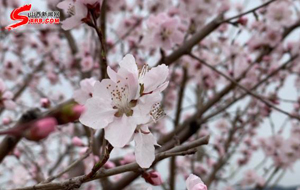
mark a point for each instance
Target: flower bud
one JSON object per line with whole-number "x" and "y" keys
{"x": 152, "y": 177}
{"x": 109, "y": 165}
{"x": 77, "y": 141}
{"x": 45, "y": 103}
{"x": 68, "y": 113}
{"x": 41, "y": 129}
{"x": 6, "y": 121}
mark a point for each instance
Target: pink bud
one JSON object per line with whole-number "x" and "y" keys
{"x": 243, "y": 21}
{"x": 153, "y": 178}
{"x": 109, "y": 165}
{"x": 45, "y": 103}
{"x": 41, "y": 129}
{"x": 78, "y": 110}
{"x": 77, "y": 141}
{"x": 6, "y": 121}
{"x": 17, "y": 153}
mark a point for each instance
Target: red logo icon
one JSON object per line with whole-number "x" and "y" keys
{"x": 15, "y": 15}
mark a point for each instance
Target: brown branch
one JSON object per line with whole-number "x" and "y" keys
{"x": 245, "y": 89}
{"x": 250, "y": 11}
{"x": 76, "y": 182}
{"x": 195, "y": 39}
{"x": 176, "y": 122}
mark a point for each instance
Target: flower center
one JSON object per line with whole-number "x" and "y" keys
{"x": 165, "y": 34}
{"x": 119, "y": 96}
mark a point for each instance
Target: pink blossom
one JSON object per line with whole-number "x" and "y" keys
{"x": 76, "y": 141}
{"x": 6, "y": 97}
{"x": 87, "y": 63}
{"x": 6, "y": 121}
{"x": 193, "y": 182}
{"x": 85, "y": 92}
{"x": 77, "y": 9}
{"x": 251, "y": 178}
{"x": 163, "y": 31}
{"x": 45, "y": 102}
{"x": 109, "y": 165}
{"x": 153, "y": 177}
{"x": 125, "y": 102}
{"x": 279, "y": 14}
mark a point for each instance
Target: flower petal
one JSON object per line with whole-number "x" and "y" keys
{"x": 98, "y": 114}
{"x": 101, "y": 91}
{"x": 70, "y": 23}
{"x": 128, "y": 63}
{"x": 155, "y": 77}
{"x": 120, "y": 131}
{"x": 192, "y": 181}
{"x": 80, "y": 96}
{"x": 10, "y": 105}
{"x": 145, "y": 103}
{"x": 64, "y": 4}
{"x": 144, "y": 149}
{"x": 112, "y": 74}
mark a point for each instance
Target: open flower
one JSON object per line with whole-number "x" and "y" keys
{"x": 164, "y": 31}
{"x": 76, "y": 9}
{"x": 85, "y": 91}
{"x": 193, "y": 182}
{"x": 123, "y": 104}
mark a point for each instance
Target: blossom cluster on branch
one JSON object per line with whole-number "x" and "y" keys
{"x": 100, "y": 99}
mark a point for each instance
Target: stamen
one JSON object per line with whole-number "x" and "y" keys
{"x": 157, "y": 112}
{"x": 143, "y": 71}
{"x": 71, "y": 10}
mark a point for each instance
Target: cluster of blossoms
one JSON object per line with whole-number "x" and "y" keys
{"x": 126, "y": 105}
{"x": 284, "y": 152}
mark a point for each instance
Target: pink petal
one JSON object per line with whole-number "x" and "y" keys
{"x": 192, "y": 181}
{"x": 81, "y": 96}
{"x": 101, "y": 91}
{"x": 70, "y": 23}
{"x": 98, "y": 114}
{"x": 64, "y": 4}
{"x": 144, "y": 105}
{"x": 155, "y": 77}
{"x": 144, "y": 149}
{"x": 120, "y": 131}
{"x": 10, "y": 105}
{"x": 8, "y": 95}
{"x": 128, "y": 63}
{"x": 112, "y": 74}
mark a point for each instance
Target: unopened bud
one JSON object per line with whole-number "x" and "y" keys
{"x": 153, "y": 178}
{"x": 77, "y": 141}
{"x": 45, "y": 103}
{"x": 68, "y": 113}
{"x": 6, "y": 121}
{"x": 109, "y": 165}
{"x": 243, "y": 21}
{"x": 41, "y": 129}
